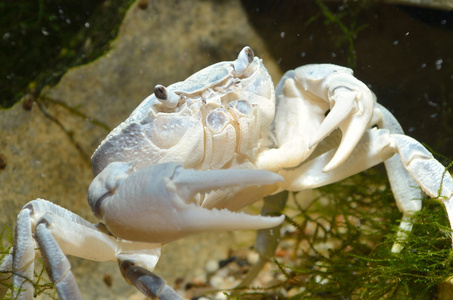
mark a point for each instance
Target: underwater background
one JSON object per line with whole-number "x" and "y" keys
{"x": 72, "y": 72}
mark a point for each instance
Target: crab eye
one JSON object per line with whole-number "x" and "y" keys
{"x": 168, "y": 98}
{"x": 244, "y": 59}
{"x": 247, "y": 53}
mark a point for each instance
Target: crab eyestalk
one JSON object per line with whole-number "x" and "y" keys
{"x": 168, "y": 98}
{"x": 244, "y": 59}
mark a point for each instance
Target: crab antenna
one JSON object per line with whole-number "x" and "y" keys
{"x": 168, "y": 98}
{"x": 244, "y": 59}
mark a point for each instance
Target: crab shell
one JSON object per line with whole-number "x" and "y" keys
{"x": 215, "y": 120}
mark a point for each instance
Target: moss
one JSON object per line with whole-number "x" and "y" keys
{"x": 42, "y": 39}
{"x": 360, "y": 223}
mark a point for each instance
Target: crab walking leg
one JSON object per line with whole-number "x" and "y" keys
{"x": 373, "y": 148}
{"x": 429, "y": 174}
{"x": 408, "y": 198}
{"x": 147, "y": 282}
{"x": 376, "y": 146}
{"x": 6, "y": 276}
{"x": 23, "y": 257}
{"x": 267, "y": 240}
{"x": 25, "y": 245}
{"x": 57, "y": 264}
{"x": 60, "y": 232}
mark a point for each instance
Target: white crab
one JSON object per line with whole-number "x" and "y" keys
{"x": 193, "y": 153}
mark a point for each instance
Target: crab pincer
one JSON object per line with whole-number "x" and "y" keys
{"x": 159, "y": 204}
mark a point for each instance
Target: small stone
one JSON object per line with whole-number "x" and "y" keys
{"x": 200, "y": 279}
{"x": 220, "y": 296}
{"x": 318, "y": 279}
{"x": 211, "y": 266}
{"x": 223, "y": 283}
{"x": 294, "y": 292}
{"x": 216, "y": 281}
{"x": 281, "y": 277}
{"x": 252, "y": 257}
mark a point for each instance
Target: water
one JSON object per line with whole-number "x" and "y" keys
{"x": 404, "y": 54}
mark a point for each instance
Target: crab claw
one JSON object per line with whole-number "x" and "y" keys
{"x": 351, "y": 106}
{"x": 351, "y": 117}
{"x": 340, "y": 111}
{"x": 157, "y": 204}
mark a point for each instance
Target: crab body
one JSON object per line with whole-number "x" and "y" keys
{"x": 193, "y": 153}
{"x": 211, "y": 120}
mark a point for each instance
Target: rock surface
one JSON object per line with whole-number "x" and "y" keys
{"x": 48, "y": 148}
{"x": 437, "y": 4}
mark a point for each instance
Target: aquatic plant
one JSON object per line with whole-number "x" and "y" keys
{"x": 341, "y": 246}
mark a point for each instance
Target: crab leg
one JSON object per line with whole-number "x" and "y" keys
{"x": 59, "y": 232}
{"x": 431, "y": 176}
{"x": 6, "y": 276}
{"x": 408, "y": 198}
{"x": 36, "y": 215}
{"x": 373, "y": 149}
{"x": 147, "y": 282}
{"x": 23, "y": 257}
{"x": 267, "y": 240}
{"x": 376, "y": 146}
{"x": 57, "y": 264}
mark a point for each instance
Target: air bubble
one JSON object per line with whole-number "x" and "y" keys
{"x": 44, "y": 31}
{"x": 438, "y": 63}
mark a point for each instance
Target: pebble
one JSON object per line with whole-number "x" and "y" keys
{"x": 211, "y": 266}
{"x": 220, "y": 296}
{"x": 252, "y": 257}
{"x": 215, "y": 281}
{"x": 294, "y": 291}
{"x": 223, "y": 283}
